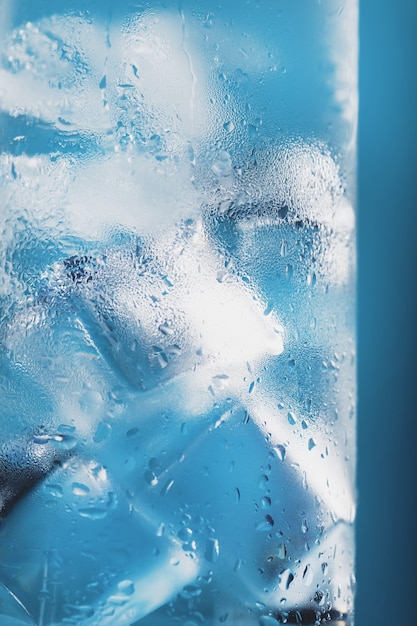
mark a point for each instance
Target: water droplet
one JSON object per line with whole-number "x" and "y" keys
{"x": 228, "y": 126}
{"x": 91, "y": 401}
{"x": 221, "y": 419}
{"x": 267, "y": 620}
{"x": 280, "y": 451}
{"x": 237, "y": 565}
{"x": 103, "y": 82}
{"x": 165, "y": 329}
{"x": 283, "y": 211}
{"x": 212, "y": 550}
{"x": 266, "y": 524}
{"x": 93, "y": 513}
{"x": 117, "y": 600}
{"x": 282, "y": 552}
{"x": 283, "y": 249}
{"x": 263, "y": 482}
{"x": 308, "y": 575}
{"x": 266, "y": 502}
{"x": 159, "y": 357}
{"x": 285, "y": 579}
{"x": 324, "y": 568}
{"x": 190, "y": 591}
{"x": 221, "y": 381}
{"x": 311, "y": 443}
{"x": 319, "y": 597}
{"x": 222, "y": 166}
{"x": 304, "y": 424}
{"x": 66, "y": 428}
{"x": 292, "y": 419}
{"x": 167, "y": 487}
{"x": 304, "y": 527}
{"x": 153, "y": 463}
{"x": 126, "y": 587}
{"x": 64, "y": 442}
{"x": 151, "y": 478}
{"x": 78, "y": 489}
{"x": 185, "y": 534}
{"x": 161, "y": 529}
{"x": 102, "y": 432}
{"x": 237, "y": 495}
{"x": 311, "y": 279}
{"x": 41, "y": 439}
{"x": 54, "y": 490}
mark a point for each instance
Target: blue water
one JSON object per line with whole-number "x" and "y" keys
{"x": 177, "y": 337}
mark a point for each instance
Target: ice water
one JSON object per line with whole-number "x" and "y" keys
{"x": 177, "y": 313}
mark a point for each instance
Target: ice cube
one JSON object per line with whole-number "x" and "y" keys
{"x": 52, "y": 69}
{"x": 258, "y": 526}
{"x": 288, "y": 201}
{"x": 90, "y": 555}
{"x": 156, "y": 310}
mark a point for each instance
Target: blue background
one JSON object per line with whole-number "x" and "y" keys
{"x": 387, "y": 552}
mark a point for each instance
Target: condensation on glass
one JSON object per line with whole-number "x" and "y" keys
{"x": 177, "y": 338}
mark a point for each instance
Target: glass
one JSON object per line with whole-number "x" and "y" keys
{"x": 177, "y": 312}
